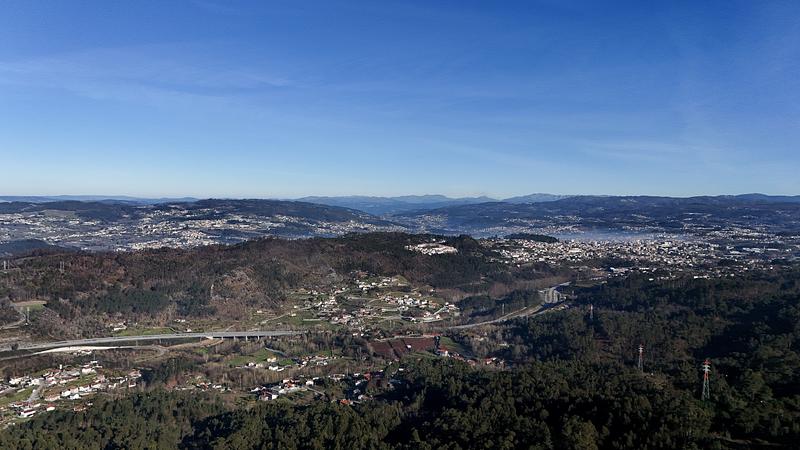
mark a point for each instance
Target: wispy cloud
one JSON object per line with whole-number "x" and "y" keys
{"x": 694, "y": 156}
{"x": 137, "y": 73}
{"x": 489, "y": 155}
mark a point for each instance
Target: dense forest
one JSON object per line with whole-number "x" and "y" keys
{"x": 572, "y": 382}
{"x": 748, "y": 326}
{"x": 435, "y": 404}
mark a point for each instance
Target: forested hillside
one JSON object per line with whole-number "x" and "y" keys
{"x": 438, "y": 404}
{"x": 748, "y": 326}
{"x": 572, "y": 383}
{"x": 258, "y": 273}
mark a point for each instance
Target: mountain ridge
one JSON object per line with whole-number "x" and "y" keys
{"x": 640, "y": 213}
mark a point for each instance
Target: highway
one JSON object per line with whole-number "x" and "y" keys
{"x": 551, "y": 298}
{"x": 548, "y": 294}
{"x": 151, "y": 337}
{"x": 530, "y": 311}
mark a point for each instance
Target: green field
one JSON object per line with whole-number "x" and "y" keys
{"x": 260, "y": 356}
{"x": 451, "y": 345}
{"x": 137, "y": 331}
{"x": 16, "y": 396}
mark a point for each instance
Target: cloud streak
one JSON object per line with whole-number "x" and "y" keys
{"x": 138, "y": 74}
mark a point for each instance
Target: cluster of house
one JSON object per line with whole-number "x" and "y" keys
{"x": 406, "y": 301}
{"x": 494, "y": 361}
{"x": 344, "y": 304}
{"x": 433, "y": 316}
{"x": 667, "y": 252}
{"x": 348, "y": 319}
{"x": 205, "y": 386}
{"x": 272, "y": 364}
{"x": 61, "y": 384}
{"x": 170, "y": 230}
{"x": 286, "y": 386}
{"x": 355, "y": 386}
{"x": 644, "y": 254}
{"x": 432, "y": 248}
{"x": 316, "y": 360}
{"x": 491, "y": 361}
{"x": 648, "y": 255}
{"x": 118, "y": 326}
{"x": 385, "y": 282}
{"x": 327, "y": 308}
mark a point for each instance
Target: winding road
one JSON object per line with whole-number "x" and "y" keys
{"x": 530, "y": 311}
{"x": 551, "y": 299}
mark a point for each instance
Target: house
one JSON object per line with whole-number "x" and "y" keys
{"x": 268, "y": 396}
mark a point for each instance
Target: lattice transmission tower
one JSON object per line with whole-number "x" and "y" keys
{"x": 706, "y": 394}
{"x": 640, "y": 364}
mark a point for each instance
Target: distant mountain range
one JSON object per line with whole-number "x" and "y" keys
{"x": 536, "y": 198}
{"x": 393, "y": 205}
{"x": 115, "y": 225}
{"x": 209, "y": 209}
{"x": 690, "y": 215}
{"x": 765, "y": 198}
{"x": 382, "y": 206}
{"x": 128, "y": 223}
{"x": 93, "y": 198}
{"x": 373, "y": 205}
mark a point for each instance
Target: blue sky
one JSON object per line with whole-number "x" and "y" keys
{"x": 291, "y": 98}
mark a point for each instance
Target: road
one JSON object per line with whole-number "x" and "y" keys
{"x": 152, "y": 337}
{"x": 20, "y": 307}
{"x": 37, "y": 392}
{"x": 528, "y": 311}
{"x": 550, "y": 295}
{"x": 285, "y": 314}
{"x": 15, "y": 324}
{"x": 20, "y": 321}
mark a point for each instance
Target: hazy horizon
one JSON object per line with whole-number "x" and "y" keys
{"x": 451, "y": 197}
